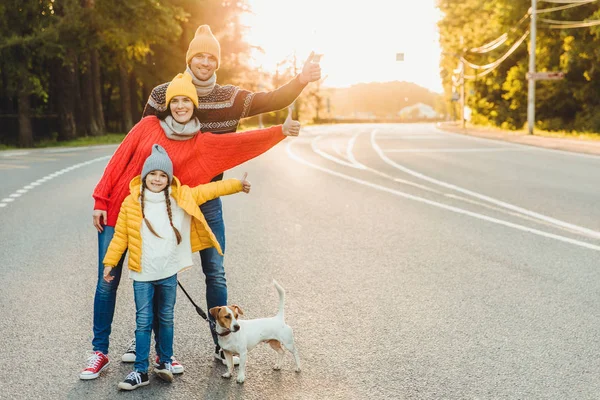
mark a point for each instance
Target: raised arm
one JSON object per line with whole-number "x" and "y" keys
{"x": 283, "y": 96}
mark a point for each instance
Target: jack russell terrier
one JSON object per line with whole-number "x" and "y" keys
{"x": 240, "y": 336}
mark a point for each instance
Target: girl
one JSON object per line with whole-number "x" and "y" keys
{"x": 161, "y": 225}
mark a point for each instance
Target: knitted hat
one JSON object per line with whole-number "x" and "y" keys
{"x": 158, "y": 161}
{"x": 182, "y": 85}
{"x": 204, "y": 42}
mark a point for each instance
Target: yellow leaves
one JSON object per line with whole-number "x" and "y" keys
{"x": 587, "y": 76}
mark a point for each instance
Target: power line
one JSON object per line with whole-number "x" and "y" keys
{"x": 565, "y": 1}
{"x": 492, "y": 66}
{"x": 559, "y": 8}
{"x": 494, "y": 44}
{"x": 571, "y": 24}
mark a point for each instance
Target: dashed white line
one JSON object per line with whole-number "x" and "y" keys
{"x": 18, "y": 193}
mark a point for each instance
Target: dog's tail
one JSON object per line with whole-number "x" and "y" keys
{"x": 281, "y": 292}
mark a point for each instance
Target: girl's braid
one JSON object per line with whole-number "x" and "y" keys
{"x": 143, "y": 215}
{"x": 168, "y": 200}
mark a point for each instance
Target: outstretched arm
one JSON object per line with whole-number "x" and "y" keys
{"x": 209, "y": 191}
{"x": 218, "y": 153}
{"x": 283, "y": 96}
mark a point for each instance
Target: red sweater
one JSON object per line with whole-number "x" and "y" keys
{"x": 195, "y": 161}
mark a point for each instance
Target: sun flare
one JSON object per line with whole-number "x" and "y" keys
{"x": 359, "y": 40}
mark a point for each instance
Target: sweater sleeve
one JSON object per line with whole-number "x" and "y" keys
{"x": 218, "y": 153}
{"x": 277, "y": 99}
{"x": 156, "y": 100}
{"x": 117, "y": 164}
{"x": 210, "y": 191}
{"x": 120, "y": 241}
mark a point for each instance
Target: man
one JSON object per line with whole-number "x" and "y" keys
{"x": 220, "y": 110}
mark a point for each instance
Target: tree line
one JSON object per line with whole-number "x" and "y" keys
{"x": 73, "y": 68}
{"x": 496, "y": 92}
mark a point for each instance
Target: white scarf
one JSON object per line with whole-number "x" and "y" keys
{"x": 203, "y": 88}
{"x": 176, "y": 131}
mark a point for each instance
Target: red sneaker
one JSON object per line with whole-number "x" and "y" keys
{"x": 96, "y": 363}
{"x": 177, "y": 368}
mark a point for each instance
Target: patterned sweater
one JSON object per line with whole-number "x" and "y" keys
{"x": 222, "y": 109}
{"x": 195, "y": 161}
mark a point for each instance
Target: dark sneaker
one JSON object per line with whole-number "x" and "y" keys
{"x": 164, "y": 372}
{"x": 95, "y": 364}
{"x": 134, "y": 380}
{"x": 129, "y": 355}
{"x": 219, "y": 355}
{"x": 177, "y": 367}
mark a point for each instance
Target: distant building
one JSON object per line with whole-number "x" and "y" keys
{"x": 418, "y": 111}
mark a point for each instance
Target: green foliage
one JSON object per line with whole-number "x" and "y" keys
{"x": 500, "y": 98}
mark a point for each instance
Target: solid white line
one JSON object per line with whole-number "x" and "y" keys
{"x": 443, "y": 206}
{"x": 471, "y": 150}
{"x": 323, "y": 154}
{"x": 530, "y": 147}
{"x": 554, "y": 221}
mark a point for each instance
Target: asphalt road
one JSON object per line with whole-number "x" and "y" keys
{"x": 418, "y": 264}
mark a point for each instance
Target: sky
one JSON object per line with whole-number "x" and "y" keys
{"x": 359, "y": 40}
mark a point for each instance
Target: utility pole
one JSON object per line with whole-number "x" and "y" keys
{"x": 462, "y": 94}
{"x": 531, "y": 91}
{"x": 462, "y": 84}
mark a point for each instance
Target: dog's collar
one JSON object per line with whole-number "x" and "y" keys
{"x": 227, "y": 332}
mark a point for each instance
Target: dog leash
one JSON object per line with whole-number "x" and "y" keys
{"x": 198, "y": 309}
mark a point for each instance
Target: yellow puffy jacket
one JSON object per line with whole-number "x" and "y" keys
{"x": 128, "y": 228}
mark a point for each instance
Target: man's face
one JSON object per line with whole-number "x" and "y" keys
{"x": 203, "y": 66}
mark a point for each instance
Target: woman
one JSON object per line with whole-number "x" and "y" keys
{"x": 197, "y": 157}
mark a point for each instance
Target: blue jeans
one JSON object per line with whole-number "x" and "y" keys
{"x": 164, "y": 293}
{"x": 212, "y": 263}
{"x": 106, "y": 294}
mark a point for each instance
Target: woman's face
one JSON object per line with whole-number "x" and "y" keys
{"x": 182, "y": 109}
{"x": 157, "y": 181}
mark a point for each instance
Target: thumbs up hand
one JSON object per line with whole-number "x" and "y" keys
{"x": 311, "y": 71}
{"x": 290, "y": 127}
{"x": 246, "y": 186}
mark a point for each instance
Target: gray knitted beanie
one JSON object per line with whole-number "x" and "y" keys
{"x": 158, "y": 161}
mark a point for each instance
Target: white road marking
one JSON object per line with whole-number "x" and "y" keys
{"x": 455, "y": 150}
{"x": 32, "y": 185}
{"x": 441, "y": 205}
{"x": 580, "y": 229}
{"x": 530, "y": 147}
{"x": 323, "y": 154}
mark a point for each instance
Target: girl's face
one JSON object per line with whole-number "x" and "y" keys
{"x": 182, "y": 109}
{"x": 157, "y": 181}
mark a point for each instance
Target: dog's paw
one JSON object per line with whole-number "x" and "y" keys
{"x": 226, "y": 375}
{"x": 277, "y": 367}
{"x": 241, "y": 379}
{"x": 297, "y": 369}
